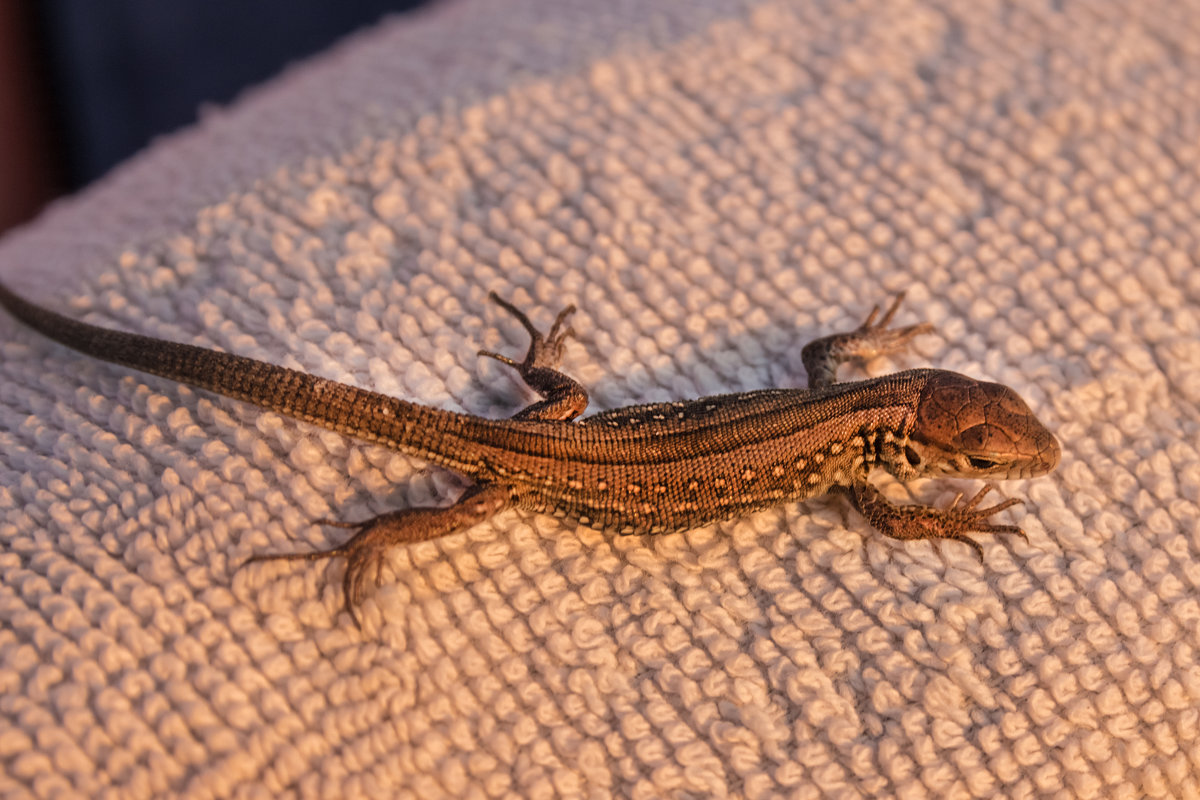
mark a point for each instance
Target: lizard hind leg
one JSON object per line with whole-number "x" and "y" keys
{"x": 366, "y": 550}
{"x": 564, "y": 398}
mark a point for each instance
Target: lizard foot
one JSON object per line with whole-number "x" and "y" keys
{"x": 926, "y": 522}
{"x": 545, "y": 352}
{"x": 822, "y": 356}
{"x": 563, "y": 398}
{"x": 366, "y": 551}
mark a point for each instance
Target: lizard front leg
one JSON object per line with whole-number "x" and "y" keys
{"x": 927, "y": 522}
{"x": 822, "y": 357}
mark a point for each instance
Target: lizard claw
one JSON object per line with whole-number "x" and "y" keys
{"x": 974, "y": 501}
{"x": 545, "y": 351}
{"x": 871, "y": 338}
{"x": 956, "y": 520}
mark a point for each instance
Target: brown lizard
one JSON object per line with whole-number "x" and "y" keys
{"x": 641, "y": 469}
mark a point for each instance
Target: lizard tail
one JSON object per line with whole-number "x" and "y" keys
{"x": 432, "y": 434}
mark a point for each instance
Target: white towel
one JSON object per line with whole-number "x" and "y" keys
{"x": 713, "y": 184}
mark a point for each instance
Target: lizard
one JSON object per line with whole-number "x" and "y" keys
{"x": 642, "y": 469}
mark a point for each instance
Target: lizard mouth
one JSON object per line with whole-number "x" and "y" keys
{"x": 1035, "y": 452}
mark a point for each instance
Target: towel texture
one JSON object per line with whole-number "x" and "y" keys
{"x": 713, "y": 184}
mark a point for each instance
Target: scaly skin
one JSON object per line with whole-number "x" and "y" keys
{"x": 641, "y": 469}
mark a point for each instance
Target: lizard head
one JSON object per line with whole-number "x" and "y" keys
{"x": 970, "y": 429}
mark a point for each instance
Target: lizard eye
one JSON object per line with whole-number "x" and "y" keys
{"x": 912, "y": 456}
{"x": 981, "y": 463}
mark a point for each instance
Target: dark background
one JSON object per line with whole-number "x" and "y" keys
{"x": 85, "y": 84}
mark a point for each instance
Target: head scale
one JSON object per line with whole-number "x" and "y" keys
{"x": 971, "y": 429}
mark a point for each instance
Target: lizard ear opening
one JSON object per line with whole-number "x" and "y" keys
{"x": 909, "y": 462}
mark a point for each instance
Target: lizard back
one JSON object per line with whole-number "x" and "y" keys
{"x": 648, "y": 468}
